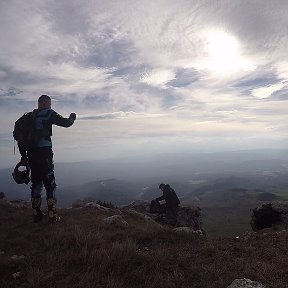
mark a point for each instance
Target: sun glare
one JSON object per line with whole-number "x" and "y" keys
{"x": 222, "y": 46}
{"x": 224, "y": 53}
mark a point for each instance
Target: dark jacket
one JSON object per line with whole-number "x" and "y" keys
{"x": 44, "y": 119}
{"x": 170, "y": 197}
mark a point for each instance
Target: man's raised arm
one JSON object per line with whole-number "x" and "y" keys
{"x": 59, "y": 120}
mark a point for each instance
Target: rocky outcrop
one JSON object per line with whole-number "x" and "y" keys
{"x": 245, "y": 283}
{"x": 189, "y": 217}
{"x": 82, "y": 203}
{"x": 188, "y": 230}
{"x": 148, "y": 219}
{"x": 15, "y": 203}
{"x": 141, "y": 206}
{"x": 269, "y": 214}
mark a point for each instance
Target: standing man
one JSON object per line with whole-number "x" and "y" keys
{"x": 40, "y": 158}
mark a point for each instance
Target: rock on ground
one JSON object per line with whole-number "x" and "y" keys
{"x": 141, "y": 206}
{"x": 268, "y": 214}
{"x": 245, "y": 283}
{"x": 15, "y": 203}
{"x": 188, "y": 230}
{"x": 186, "y": 216}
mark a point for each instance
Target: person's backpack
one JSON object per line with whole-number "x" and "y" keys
{"x": 25, "y": 132}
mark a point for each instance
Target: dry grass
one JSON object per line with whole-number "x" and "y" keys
{"x": 82, "y": 251}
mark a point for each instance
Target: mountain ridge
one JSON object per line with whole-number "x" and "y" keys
{"x": 84, "y": 251}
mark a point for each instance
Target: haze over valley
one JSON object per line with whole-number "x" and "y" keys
{"x": 225, "y": 185}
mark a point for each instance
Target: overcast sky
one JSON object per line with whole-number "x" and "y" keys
{"x": 148, "y": 77}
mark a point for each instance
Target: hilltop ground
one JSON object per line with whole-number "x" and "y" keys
{"x": 83, "y": 251}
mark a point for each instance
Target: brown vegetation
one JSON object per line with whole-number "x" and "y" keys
{"x": 82, "y": 251}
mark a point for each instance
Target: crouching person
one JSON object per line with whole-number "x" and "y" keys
{"x": 169, "y": 208}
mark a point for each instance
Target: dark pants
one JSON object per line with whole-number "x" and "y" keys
{"x": 170, "y": 211}
{"x": 42, "y": 172}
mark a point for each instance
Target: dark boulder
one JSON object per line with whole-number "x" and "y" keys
{"x": 269, "y": 214}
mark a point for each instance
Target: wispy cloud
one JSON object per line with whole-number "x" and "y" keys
{"x": 118, "y": 115}
{"x": 268, "y": 91}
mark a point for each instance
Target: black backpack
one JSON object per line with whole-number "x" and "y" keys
{"x": 25, "y": 132}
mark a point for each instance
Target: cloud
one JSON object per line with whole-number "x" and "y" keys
{"x": 266, "y": 92}
{"x": 183, "y": 68}
{"x": 158, "y": 77}
{"x": 118, "y": 115}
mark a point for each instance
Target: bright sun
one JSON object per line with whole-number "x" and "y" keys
{"x": 224, "y": 53}
{"x": 222, "y": 46}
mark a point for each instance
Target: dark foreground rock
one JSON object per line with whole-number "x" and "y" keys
{"x": 186, "y": 216}
{"x": 269, "y": 214}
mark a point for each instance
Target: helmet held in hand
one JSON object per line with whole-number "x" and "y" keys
{"x": 19, "y": 176}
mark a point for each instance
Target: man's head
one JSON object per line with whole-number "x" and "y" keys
{"x": 44, "y": 102}
{"x": 162, "y": 186}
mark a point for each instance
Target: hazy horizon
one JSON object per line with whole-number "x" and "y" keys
{"x": 124, "y": 180}
{"x": 227, "y": 156}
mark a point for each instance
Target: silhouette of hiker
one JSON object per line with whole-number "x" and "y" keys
{"x": 169, "y": 208}
{"x": 40, "y": 158}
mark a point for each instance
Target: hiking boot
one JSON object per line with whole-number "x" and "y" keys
{"x": 52, "y": 210}
{"x": 36, "y": 203}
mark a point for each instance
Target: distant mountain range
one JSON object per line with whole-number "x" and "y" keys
{"x": 123, "y": 180}
{"x": 118, "y": 192}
